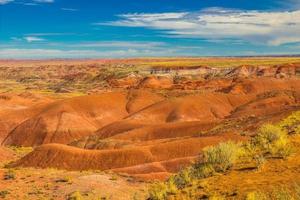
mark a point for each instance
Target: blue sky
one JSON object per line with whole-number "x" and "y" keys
{"x": 32, "y": 29}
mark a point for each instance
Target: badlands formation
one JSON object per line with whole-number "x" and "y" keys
{"x": 134, "y": 117}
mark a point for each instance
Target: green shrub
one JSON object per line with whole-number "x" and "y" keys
{"x": 223, "y": 156}
{"x": 4, "y": 193}
{"x": 291, "y": 124}
{"x": 158, "y": 191}
{"x": 297, "y": 190}
{"x": 273, "y": 140}
{"x": 114, "y": 178}
{"x": 172, "y": 186}
{"x": 10, "y": 175}
{"x": 282, "y": 194}
{"x": 183, "y": 178}
{"x": 259, "y": 160}
{"x": 216, "y": 197}
{"x": 75, "y": 196}
{"x": 279, "y": 193}
{"x": 256, "y": 196}
{"x": 203, "y": 170}
{"x": 66, "y": 179}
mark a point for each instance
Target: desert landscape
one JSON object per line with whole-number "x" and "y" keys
{"x": 149, "y": 100}
{"x": 150, "y": 128}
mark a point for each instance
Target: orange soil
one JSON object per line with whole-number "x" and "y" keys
{"x": 276, "y": 173}
{"x": 71, "y": 158}
{"x": 5, "y": 154}
{"x": 140, "y": 132}
{"x": 68, "y": 120}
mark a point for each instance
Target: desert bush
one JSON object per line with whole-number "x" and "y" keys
{"x": 10, "y": 175}
{"x": 66, "y": 179}
{"x": 256, "y": 196}
{"x": 21, "y": 151}
{"x": 223, "y": 156}
{"x": 273, "y": 140}
{"x": 278, "y": 193}
{"x": 203, "y": 170}
{"x": 297, "y": 190}
{"x": 291, "y": 124}
{"x": 216, "y": 197}
{"x": 4, "y": 193}
{"x": 75, "y": 196}
{"x": 158, "y": 191}
{"x": 183, "y": 178}
{"x": 114, "y": 177}
{"x": 282, "y": 194}
{"x": 171, "y": 185}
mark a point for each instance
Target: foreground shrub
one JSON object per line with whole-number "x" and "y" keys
{"x": 223, "y": 156}
{"x": 10, "y": 175}
{"x": 278, "y": 193}
{"x": 291, "y": 124}
{"x": 216, "y": 197}
{"x": 256, "y": 196}
{"x": 183, "y": 178}
{"x": 75, "y": 196}
{"x": 203, "y": 170}
{"x": 283, "y": 194}
{"x": 273, "y": 140}
{"x": 158, "y": 191}
{"x": 4, "y": 193}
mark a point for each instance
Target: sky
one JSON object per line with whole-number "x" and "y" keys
{"x": 39, "y": 29}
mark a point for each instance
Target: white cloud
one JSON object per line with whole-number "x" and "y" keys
{"x": 33, "y": 39}
{"x": 44, "y": 1}
{"x": 30, "y": 4}
{"x": 49, "y": 34}
{"x": 69, "y": 9}
{"x": 2, "y": 2}
{"x": 33, "y": 3}
{"x": 18, "y": 53}
{"x": 119, "y": 44}
{"x": 272, "y": 28}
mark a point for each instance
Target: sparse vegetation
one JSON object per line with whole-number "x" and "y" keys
{"x": 216, "y": 159}
{"x": 270, "y": 141}
{"x": 256, "y": 196}
{"x": 4, "y": 193}
{"x": 222, "y": 157}
{"x": 66, "y": 179}
{"x": 291, "y": 124}
{"x": 158, "y": 191}
{"x": 278, "y": 193}
{"x": 114, "y": 177}
{"x": 21, "y": 151}
{"x": 227, "y": 170}
{"x": 75, "y": 196}
{"x": 10, "y": 174}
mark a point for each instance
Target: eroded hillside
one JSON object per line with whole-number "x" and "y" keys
{"x": 136, "y": 118}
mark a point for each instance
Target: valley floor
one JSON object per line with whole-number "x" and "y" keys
{"x": 47, "y": 184}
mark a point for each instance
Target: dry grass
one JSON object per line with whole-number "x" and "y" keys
{"x": 219, "y": 62}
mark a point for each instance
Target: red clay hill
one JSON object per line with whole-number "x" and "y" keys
{"x": 155, "y": 125}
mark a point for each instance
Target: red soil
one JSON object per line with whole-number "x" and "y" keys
{"x": 159, "y": 82}
{"x": 147, "y": 135}
{"x": 140, "y": 99}
{"x": 67, "y": 120}
{"x": 15, "y": 109}
{"x": 5, "y": 154}
{"x": 206, "y": 107}
{"x": 256, "y": 86}
{"x": 71, "y": 158}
